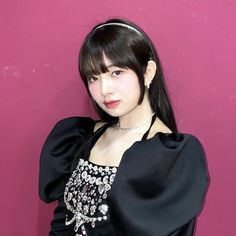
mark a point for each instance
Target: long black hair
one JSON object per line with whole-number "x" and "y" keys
{"x": 125, "y": 47}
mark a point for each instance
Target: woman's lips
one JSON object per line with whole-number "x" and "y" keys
{"x": 111, "y": 104}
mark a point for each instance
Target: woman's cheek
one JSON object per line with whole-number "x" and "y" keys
{"x": 125, "y": 84}
{"x": 94, "y": 91}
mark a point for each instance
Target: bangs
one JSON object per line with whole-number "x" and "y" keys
{"x": 93, "y": 64}
{"x": 113, "y": 47}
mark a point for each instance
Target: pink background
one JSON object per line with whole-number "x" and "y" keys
{"x": 40, "y": 84}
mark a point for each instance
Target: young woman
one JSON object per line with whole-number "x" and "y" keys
{"x": 131, "y": 173}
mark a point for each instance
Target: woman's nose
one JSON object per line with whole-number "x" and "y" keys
{"x": 106, "y": 86}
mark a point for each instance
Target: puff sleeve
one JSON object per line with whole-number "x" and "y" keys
{"x": 58, "y": 153}
{"x": 166, "y": 192}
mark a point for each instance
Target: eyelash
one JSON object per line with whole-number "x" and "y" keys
{"x": 92, "y": 78}
{"x": 115, "y": 73}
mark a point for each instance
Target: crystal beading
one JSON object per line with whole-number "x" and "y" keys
{"x": 86, "y": 192}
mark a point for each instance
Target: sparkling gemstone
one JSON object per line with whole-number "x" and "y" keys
{"x": 105, "y": 179}
{"x": 74, "y": 201}
{"x": 101, "y": 188}
{"x": 92, "y": 209}
{"x": 69, "y": 196}
{"x": 107, "y": 187}
{"x": 84, "y": 174}
{"x": 98, "y": 181}
{"x": 86, "y": 209}
{"x": 87, "y": 178}
{"x": 103, "y": 209}
{"x": 95, "y": 168}
{"x": 93, "y": 224}
{"x": 92, "y": 180}
{"x": 112, "y": 177}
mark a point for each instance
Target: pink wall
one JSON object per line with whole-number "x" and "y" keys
{"x": 40, "y": 84}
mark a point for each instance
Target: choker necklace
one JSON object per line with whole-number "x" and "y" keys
{"x": 132, "y": 128}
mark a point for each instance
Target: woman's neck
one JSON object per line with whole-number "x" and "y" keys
{"x": 141, "y": 114}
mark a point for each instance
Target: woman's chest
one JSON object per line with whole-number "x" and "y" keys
{"x": 109, "y": 152}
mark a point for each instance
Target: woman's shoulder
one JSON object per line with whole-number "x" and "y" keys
{"x": 178, "y": 142}
{"x": 171, "y": 137}
{"x": 181, "y": 150}
{"x": 74, "y": 122}
{"x": 66, "y": 132}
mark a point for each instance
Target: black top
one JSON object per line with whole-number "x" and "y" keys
{"x": 158, "y": 190}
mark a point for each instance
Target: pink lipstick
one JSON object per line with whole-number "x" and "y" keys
{"x": 111, "y": 104}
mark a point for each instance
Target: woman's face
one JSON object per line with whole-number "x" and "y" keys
{"x": 117, "y": 91}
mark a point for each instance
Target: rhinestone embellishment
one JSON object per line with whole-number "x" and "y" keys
{"x": 85, "y": 194}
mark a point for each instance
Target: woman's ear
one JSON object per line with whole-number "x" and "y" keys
{"x": 150, "y": 72}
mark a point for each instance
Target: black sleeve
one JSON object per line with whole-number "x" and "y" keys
{"x": 166, "y": 192}
{"x": 58, "y": 153}
{"x": 188, "y": 180}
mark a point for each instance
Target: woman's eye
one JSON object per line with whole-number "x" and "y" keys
{"x": 92, "y": 79}
{"x": 116, "y": 73}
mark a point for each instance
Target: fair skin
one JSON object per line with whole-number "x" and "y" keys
{"x": 122, "y": 85}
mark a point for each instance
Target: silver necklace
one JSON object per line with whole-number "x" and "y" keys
{"x": 132, "y": 128}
